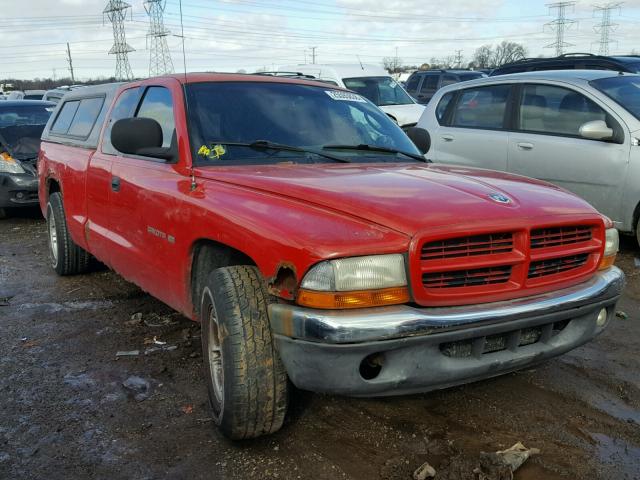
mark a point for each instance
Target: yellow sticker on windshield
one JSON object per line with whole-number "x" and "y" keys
{"x": 219, "y": 150}
{"x": 215, "y": 152}
{"x": 204, "y": 151}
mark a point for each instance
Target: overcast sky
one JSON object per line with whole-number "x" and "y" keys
{"x": 228, "y": 35}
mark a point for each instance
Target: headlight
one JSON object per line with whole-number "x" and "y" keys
{"x": 9, "y": 165}
{"x": 355, "y": 282}
{"x": 611, "y": 244}
{"x": 357, "y": 273}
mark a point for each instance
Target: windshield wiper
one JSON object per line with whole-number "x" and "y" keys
{"x": 376, "y": 148}
{"x": 267, "y": 145}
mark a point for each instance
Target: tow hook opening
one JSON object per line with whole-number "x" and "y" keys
{"x": 371, "y": 366}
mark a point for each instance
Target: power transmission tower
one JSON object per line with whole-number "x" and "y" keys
{"x": 73, "y": 79}
{"x": 559, "y": 25}
{"x": 116, "y": 11}
{"x": 313, "y": 54}
{"x": 160, "y": 61}
{"x": 605, "y": 26}
{"x": 458, "y": 58}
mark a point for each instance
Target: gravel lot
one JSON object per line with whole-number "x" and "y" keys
{"x": 71, "y": 409}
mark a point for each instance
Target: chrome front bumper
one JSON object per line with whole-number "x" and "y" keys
{"x": 419, "y": 348}
{"x": 384, "y": 323}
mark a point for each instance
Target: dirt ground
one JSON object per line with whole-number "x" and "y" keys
{"x": 65, "y": 412}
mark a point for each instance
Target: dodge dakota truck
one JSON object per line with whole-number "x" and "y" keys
{"x": 314, "y": 243}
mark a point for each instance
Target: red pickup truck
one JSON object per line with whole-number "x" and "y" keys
{"x": 315, "y": 243}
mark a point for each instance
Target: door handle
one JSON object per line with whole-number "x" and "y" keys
{"x": 115, "y": 184}
{"x": 447, "y": 138}
{"x": 525, "y": 146}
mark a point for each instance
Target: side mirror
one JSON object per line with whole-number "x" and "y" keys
{"x": 420, "y": 138}
{"x": 139, "y": 136}
{"x": 596, "y": 130}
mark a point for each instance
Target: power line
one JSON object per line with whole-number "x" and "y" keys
{"x": 605, "y": 26}
{"x": 559, "y": 25}
{"x": 116, "y": 13}
{"x": 160, "y": 61}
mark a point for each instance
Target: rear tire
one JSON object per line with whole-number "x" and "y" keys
{"x": 3, "y": 213}
{"x": 246, "y": 380}
{"x": 66, "y": 257}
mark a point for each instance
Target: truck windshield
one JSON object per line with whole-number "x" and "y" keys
{"x": 222, "y": 114}
{"x": 624, "y": 89}
{"x": 380, "y": 90}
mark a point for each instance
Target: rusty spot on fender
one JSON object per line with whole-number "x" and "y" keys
{"x": 285, "y": 282}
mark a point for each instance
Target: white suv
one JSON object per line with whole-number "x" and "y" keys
{"x": 579, "y": 129}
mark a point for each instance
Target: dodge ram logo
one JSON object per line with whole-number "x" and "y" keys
{"x": 498, "y": 197}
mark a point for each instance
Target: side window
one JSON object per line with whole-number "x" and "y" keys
{"x": 429, "y": 84}
{"x": 412, "y": 83}
{"x": 449, "y": 79}
{"x": 64, "y": 118}
{"x": 86, "y": 117}
{"x": 157, "y": 104}
{"x": 124, "y": 107}
{"x": 556, "y": 110}
{"x": 441, "y": 109}
{"x": 482, "y": 107}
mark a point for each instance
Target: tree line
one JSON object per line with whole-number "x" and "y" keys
{"x": 486, "y": 56}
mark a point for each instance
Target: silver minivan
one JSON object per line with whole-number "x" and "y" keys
{"x": 579, "y": 129}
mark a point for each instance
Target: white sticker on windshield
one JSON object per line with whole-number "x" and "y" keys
{"x": 345, "y": 96}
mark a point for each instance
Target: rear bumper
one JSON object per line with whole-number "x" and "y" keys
{"x": 422, "y": 349}
{"x": 18, "y": 190}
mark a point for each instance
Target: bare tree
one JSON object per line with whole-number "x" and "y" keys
{"x": 487, "y": 56}
{"x": 392, "y": 64}
{"x": 483, "y": 56}
{"x": 506, "y": 52}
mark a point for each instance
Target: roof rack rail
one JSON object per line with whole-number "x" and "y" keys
{"x": 576, "y": 54}
{"x": 523, "y": 59}
{"x": 284, "y": 74}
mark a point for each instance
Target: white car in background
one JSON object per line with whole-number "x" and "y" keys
{"x": 370, "y": 81}
{"x": 26, "y": 95}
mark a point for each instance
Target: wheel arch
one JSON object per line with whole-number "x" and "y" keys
{"x": 53, "y": 185}
{"x": 207, "y": 255}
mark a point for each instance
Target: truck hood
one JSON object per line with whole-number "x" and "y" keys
{"x": 408, "y": 197}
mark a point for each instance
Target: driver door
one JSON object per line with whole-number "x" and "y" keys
{"x": 145, "y": 211}
{"x": 547, "y": 145}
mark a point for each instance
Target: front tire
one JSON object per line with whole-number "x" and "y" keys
{"x": 246, "y": 380}
{"x": 66, "y": 257}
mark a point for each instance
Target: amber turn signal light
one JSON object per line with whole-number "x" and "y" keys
{"x": 356, "y": 299}
{"x": 607, "y": 262}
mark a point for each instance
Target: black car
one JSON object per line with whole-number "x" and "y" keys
{"x": 572, "y": 61}
{"x": 422, "y": 84}
{"x": 21, "y": 125}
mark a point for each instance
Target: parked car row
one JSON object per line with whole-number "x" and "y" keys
{"x": 53, "y": 95}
